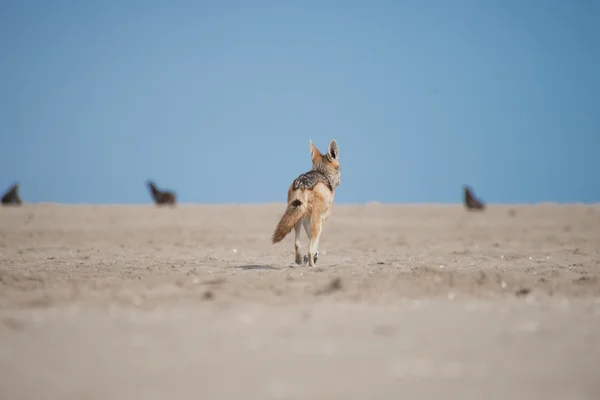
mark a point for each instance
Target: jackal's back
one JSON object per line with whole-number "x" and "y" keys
{"x": 310, "y": 179}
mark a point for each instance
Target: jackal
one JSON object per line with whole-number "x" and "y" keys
{"x": 310, "y": 201}
{"x": 470, "y": 201}
{"x": 161, "y": 197}
{"x": 11, "y": 197}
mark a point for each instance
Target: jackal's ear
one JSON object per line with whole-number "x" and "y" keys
{"x": 334, "y": 151}
{"x": 315, "y": 154}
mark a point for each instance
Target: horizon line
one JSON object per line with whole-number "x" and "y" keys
{"x": 370, "y": 202}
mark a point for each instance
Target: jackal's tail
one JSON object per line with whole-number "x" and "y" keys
{"x": 293, "y": 214}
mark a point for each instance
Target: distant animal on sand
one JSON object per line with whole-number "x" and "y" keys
{"x": 470, "y": 201}
{"x": 11, "y": 197}
{"x": 310, "y": 202}
{"x": 161, "y": 197}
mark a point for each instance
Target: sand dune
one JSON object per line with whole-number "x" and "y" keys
{"x": 424, "y": 301}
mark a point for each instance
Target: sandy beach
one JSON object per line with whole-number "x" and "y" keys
{"x": 406, "y": 301}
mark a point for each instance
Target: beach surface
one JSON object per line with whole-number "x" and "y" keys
{"x": 406, "y": 301}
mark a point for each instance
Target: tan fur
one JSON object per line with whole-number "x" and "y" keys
{"x": 289, "y": 219}
{"x": 311, "y": 207}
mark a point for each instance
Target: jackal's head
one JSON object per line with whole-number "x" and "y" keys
{"x": 328, "y": 163}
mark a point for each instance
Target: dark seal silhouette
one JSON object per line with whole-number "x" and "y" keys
{"x": 11, "y": 197}
{"x": 472, "y": 203}
{"x": 161, "y": 197}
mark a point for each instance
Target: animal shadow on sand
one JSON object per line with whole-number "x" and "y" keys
{"x": 255, "y": 266}
{"x": 161, "y": 197}
{"x": 471, "y": 202}
{"x": 11, "y": 197}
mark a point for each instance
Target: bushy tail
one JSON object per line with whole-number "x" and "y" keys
{"x": 293, "y": 214}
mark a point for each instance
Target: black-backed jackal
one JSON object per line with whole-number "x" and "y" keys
{"x": 310, "y": 201}
{"x": 161, "y": 197}
{"x": 470, "y": 201}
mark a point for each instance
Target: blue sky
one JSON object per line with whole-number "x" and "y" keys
{"x": 218, "y": 100}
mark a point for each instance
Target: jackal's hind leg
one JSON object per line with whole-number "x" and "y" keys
{"x": 315, "y": 257}
{"x": 306, "y": 224}
{"x": 313, "y": 252}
